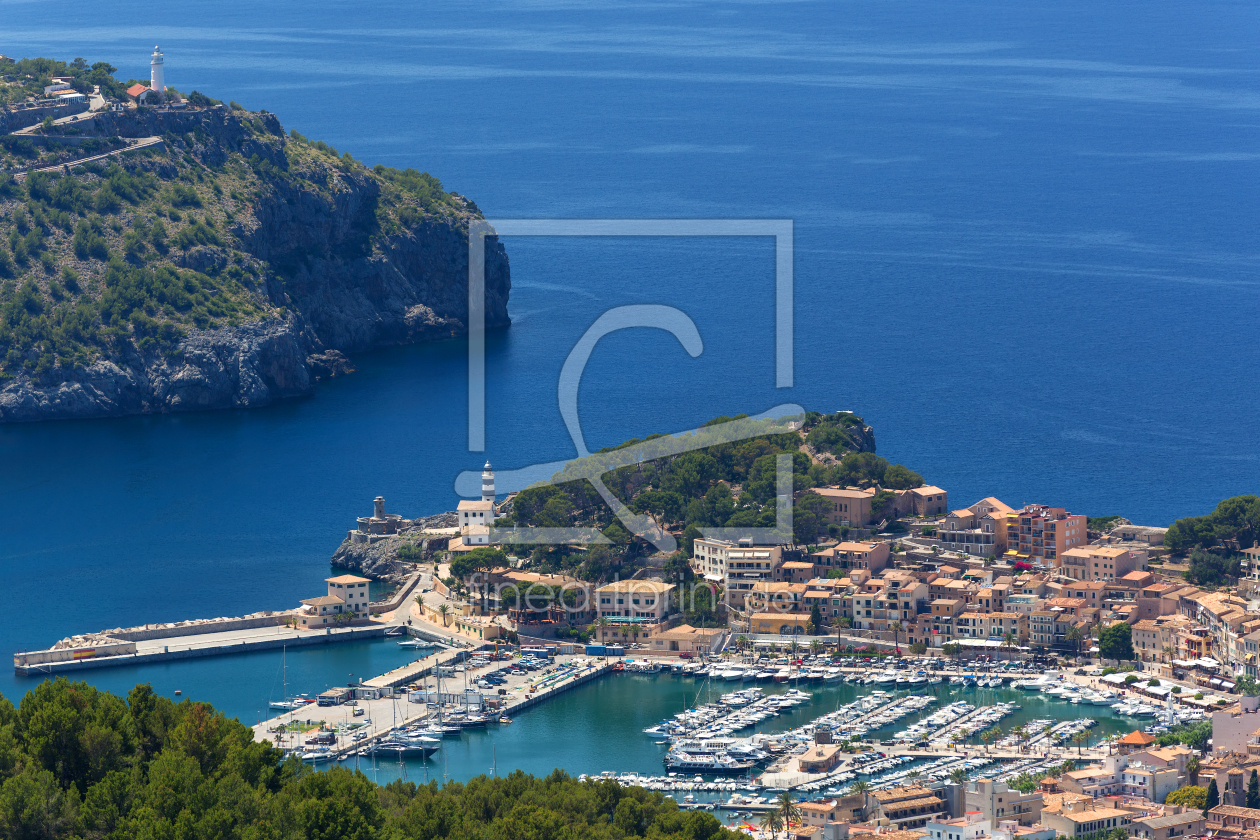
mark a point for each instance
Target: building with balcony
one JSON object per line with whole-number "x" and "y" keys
{"x": 847, "y": 556}
{"x": 1095, "y": 563}
{"x": 995, "y": 801}
{"x": 1039, "y": 534}
{"x": 980, "y": 529}
{"x": 736, "y": 566}
{"x": 910, "y": 806}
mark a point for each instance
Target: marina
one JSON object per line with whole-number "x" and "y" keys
{"x": 672, "y": 723}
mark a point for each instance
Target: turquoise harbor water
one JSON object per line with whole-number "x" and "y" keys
{"x": 1026, "y": 252}
{"x": 599, "y": 726}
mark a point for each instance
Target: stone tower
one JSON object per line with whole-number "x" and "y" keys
{"x": 487, "y": 484}
{"x": 378, "y": 505}
{"x": 157, "y": 81}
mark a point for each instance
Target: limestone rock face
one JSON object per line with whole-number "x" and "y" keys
{"x": 381, "y": 561}
{"x": 335, "y": 283}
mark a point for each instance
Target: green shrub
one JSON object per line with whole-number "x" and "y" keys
{"x": 197, "y": 233}
{"x": 182, "y": 196}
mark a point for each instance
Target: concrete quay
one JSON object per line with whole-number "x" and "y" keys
{"x": 207, "y": 644}
{"x": 386, "y": 707}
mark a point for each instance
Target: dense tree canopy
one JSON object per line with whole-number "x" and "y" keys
{"x": 1210, "y": 568}
{"x": 76, "y": 762}
{"x": 1236, "y": 519}
{"x": 723, "y": 485}
{"x": 1116, "y": 641}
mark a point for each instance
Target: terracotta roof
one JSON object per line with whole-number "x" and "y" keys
{"x": 1236, "y": 811}
{"x": 136, "y": 89}
{"x": 1136, "y": 738}
{"x": 323, "y": 601}
{"x": 347, "y": 579}
{"x": 901, "y": 792}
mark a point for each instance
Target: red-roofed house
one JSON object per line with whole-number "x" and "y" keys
{"x": 141, "y": 94}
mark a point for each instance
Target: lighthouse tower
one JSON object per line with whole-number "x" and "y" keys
{"x": 487, "y": 484}
{"x": 157, "y": 81}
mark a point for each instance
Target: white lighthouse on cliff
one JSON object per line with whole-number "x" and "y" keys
{"x": 157, "y": 80}
{"x": 487, "y": 484}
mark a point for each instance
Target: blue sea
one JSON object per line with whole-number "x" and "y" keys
{"x": 1025, "y": 251}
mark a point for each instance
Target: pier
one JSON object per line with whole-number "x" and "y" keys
{"x": 386, "y": 706}
{"x": 187, "y": 646}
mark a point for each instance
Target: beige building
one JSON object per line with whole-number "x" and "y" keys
{"x": 347, "y": 594}
{"x": 1040, "y": 533}
{"x": 925, "y": 501}
{"x": 776, "y": 596}
{"x": 846, "y": 556}
{"x": 1077, "y": 817}
{"x": 1176, "y": 822}
{"x": 996, "y": 801}
{"x": 1098, "y": 563}
{"x": 781, "y": 624}
{"x": 910, "y": 806}
{"x": 980, "y": 529}
{"x": 735, "y": 566}
{"x": 684, "y": 638}
{"x": 850, "y": 506}
{"x": 647, "y": 600}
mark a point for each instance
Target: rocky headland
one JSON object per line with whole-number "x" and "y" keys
{"x": 229, "y": 266}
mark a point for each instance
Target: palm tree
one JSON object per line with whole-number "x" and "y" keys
{"x": 1009, "y": 641}
{"x": 772, "y": 822}
{"x": 815, "y": 646}
{"x": 859, "y": 787}
{"x": 1192, "y": 769}
{"x": 1075, "y": 636}
{"x": 741, "y": 643}
{"x": 602, "y": 624}
{"x": 958, "y": 775}
{"x": 419, "y": 599}
{"x": 913, "y": 775}
{"x": 787, "y": 808}
{"x": 985, "y": 737}
{"x": 1022, "y": 734}
{"x": 444, "y": 610}
{"x": 896, "y": 628}
{"x": 1078, "y": 739}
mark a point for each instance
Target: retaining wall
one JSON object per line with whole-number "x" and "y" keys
{"x": 149, "y": 634}
{"x": 404, "y": 592}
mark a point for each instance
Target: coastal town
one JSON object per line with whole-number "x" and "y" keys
{"x": 943, "y": 616}
{"x": 355, "y": 528}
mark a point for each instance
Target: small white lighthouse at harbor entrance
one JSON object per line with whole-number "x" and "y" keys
{"x": 157, "y": 81}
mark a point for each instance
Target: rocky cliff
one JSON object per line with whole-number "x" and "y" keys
{"x": 394, "y": 558}
{"x": 235, "y": 266}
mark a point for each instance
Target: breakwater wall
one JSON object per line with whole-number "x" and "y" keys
{"x": 147, "y": 634}
{"x": 166, "y": 654}
{"x": 43, "y": 657}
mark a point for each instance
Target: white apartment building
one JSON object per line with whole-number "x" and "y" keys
{"x": 735, "y": 566}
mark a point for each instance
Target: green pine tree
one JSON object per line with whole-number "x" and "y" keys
{"x": 1213, "y": 797}
{"x": 1253, "y": 791}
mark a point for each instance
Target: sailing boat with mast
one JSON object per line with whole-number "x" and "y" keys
{"x": 286, "y": 704}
